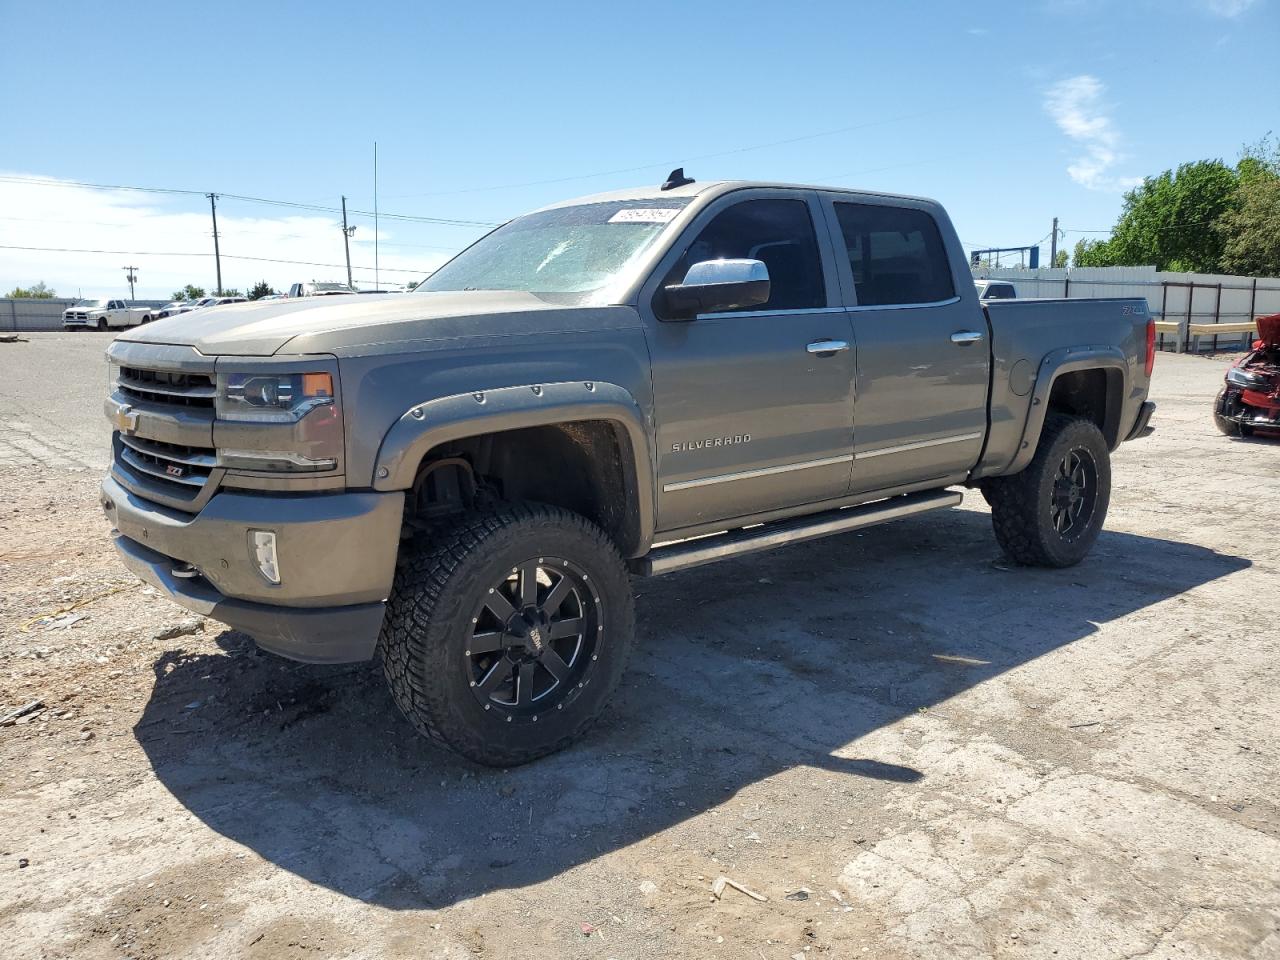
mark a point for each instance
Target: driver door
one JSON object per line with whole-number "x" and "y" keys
{"x": 750, "y": 416}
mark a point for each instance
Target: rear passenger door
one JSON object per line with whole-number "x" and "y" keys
{"x": 922, "y": 352}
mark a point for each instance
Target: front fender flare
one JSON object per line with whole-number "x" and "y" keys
{"x": 427, "y": 425}
{"x": 1066, "y": 360}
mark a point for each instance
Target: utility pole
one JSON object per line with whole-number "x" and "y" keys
{"x": 132, "y": 274}
{"x": 346, "y": 240}
{"x": 217, "y": 256}
{"x": 1053, "y": 244}
{"x": 377, "y": 283}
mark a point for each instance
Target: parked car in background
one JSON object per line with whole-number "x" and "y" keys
{"x": 319, "y": 288}
{"x": 995, "y": 290}
{"x": 105, "y": 315}
{"x": 1250, "y": 398}
{"x": 174, "y": 307}
{"x": 220, "y": 301}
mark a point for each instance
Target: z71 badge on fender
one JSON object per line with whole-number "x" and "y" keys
{"x": 680, "y": 447}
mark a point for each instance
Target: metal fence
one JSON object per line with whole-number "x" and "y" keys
{"x": 23, "y": 315}
{"x": 1187, "y": 299}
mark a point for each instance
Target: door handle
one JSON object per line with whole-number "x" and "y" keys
{"x": 821, "y": 347}
{"x": 966, "y": 337}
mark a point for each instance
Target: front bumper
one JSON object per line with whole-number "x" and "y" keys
{"x": 336, "y": 554}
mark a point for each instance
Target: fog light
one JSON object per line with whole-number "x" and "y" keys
{"x": 262, "y": 547}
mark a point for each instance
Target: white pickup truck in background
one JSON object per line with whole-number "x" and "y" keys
{"x": 105, "y": 314}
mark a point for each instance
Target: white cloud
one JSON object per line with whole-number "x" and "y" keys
{"x": 163, "y": 228}
{"x": 977, "y": 31}
{"x": 1075, "y": 105}
{"x": 1227, "y": 8}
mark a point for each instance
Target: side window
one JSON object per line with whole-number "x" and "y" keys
{"x": 779, "y": 233}
{"x": 896, "y": 254}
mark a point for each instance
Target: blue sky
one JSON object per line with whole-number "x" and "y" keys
{"x": 1009, "y": 113}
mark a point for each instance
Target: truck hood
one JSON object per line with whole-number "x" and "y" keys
{"x": 343, "y": 324}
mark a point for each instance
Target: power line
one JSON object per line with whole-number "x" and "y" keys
{"x": 413, "y": 218}
{"x": 172, "y": 253}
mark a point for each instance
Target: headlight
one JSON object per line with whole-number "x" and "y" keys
{"x": 272, "y": 398}
{"x": 1245, "y": 378}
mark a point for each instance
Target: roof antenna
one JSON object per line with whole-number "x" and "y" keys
{"x": 676, "y": 178}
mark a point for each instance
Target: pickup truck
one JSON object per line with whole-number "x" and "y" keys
{"x": 462, "y": 480}
{"x": 105, "y": 314}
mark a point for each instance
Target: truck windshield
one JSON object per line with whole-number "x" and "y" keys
{"x": 568, "y": 253}
{"x": 91, "y": 303}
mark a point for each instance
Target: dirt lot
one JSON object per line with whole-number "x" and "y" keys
{"x": 911, "y": 748}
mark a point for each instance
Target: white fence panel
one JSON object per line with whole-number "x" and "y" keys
{"x": 1188, "y": 299}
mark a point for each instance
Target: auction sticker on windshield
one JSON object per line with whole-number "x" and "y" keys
{"x": 645, "y": 215}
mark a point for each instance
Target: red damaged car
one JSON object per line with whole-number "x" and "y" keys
{"x": 1250, "y": 399}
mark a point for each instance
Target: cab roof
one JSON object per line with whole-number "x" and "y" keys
{"x": 714, "y": 188}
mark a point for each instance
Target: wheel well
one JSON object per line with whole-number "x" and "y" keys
{"x": 581, "y": 466}
{"x": 1093, "y": 394}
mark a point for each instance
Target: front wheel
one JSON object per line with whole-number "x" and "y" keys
{"x": 1225, "y": 408}
{"x": 1050, "y": 514}
{"x": 102, "y": 324}
{"x": 507, "y": 631}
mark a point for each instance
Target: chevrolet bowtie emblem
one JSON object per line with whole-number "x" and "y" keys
{"x": 125, "y": 419}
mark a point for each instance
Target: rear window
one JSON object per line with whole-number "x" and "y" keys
{"x": 896, "y": 255}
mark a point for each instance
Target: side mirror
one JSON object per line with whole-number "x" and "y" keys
{"x": 715, "y": 285}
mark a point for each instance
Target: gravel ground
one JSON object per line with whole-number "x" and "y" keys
{"x": 910, "y": 747}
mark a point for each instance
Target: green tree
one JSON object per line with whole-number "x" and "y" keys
{"x": 188, "y": 292}
{"x": 260, "y": 289}
{"x": 1094, "y": 253}
{"x": 37, "y": 291}
{"x": 1061, "y": 259}
{"x": 233, "y": 292}
{"x": 1251, "y": 232}
{"x": 1170, "y": 220}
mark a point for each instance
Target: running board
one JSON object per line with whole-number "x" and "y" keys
{"x": 735, "y": 543}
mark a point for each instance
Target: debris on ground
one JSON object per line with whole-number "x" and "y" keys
{"x": 799, "y": 895}
{"x": 717, "y": 889}
{"x": 10, "y": 718}
{"x": 183, "y": 628}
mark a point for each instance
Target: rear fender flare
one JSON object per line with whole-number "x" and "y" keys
{"x": 427, "y": 425}
{"x": 1069, "y": 360}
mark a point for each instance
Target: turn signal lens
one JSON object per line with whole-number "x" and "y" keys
{"x": 1151, "y": 347}
{"x": 262, "y": 550}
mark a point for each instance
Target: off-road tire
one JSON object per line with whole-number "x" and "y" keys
{"x": 1022, "y": 511}
{"x": 440, "y": 579}
{"x": 1225, "y": 425}
{"x": 102, "y": 325}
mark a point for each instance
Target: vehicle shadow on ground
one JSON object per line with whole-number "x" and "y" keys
{"x": 743, "y": 669}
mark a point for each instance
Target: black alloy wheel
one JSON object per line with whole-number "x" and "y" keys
{"x": 1074, "y": 493}
{"x": 507, "y": 630}
{"x": 533, "y": 639}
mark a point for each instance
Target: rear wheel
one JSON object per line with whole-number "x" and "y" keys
{"x": 1225, "y": 407}
{"x": 507, "y": 632}
{"x": 1050, "y": 514}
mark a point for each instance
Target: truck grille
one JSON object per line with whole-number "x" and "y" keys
{"x": 187, "y": 467}
{"x": 167, "y": 387}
